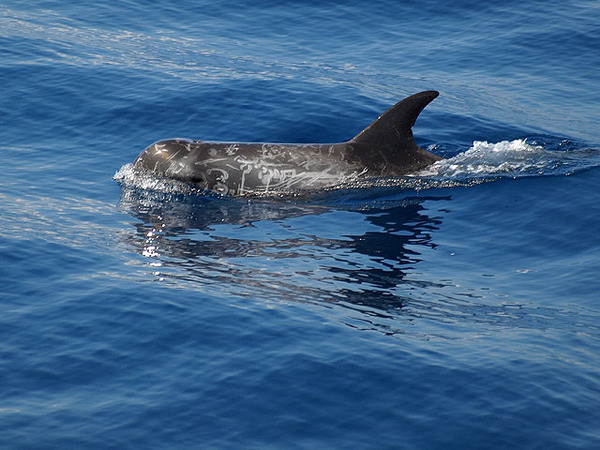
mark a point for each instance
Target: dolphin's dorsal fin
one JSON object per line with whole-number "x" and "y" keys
{"x": 393, "y": 129}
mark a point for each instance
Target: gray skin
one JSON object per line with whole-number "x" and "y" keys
{"x": 385, "y": 148}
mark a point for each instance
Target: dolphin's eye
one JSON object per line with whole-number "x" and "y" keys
{"x": 197, "y": 179}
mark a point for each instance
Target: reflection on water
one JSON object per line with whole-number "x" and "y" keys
{"x": 363, "y": 257}
{"x": 356, "y": 255}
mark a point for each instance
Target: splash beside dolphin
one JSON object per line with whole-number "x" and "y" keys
{"x": 385, "y": 148}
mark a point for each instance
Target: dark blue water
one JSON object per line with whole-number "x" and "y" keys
{"x": 454, "y": 309}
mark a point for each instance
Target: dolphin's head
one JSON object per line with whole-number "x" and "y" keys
{"x": 173, "y": 158}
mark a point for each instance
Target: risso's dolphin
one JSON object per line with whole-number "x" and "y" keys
{"x": 385, "y": 148}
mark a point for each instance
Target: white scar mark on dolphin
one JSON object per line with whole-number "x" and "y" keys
{"x": 173, "y": 155}
{"x": 224, "y": 174}
{"x": 158, "y": 149}
{"x": 209, "y": 161}
{"x": 272, "y": 176}
{"x": 245, "y": 171}
{"x": 232, "y": 149}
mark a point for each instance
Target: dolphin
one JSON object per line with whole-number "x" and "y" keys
{"x": 385, "y": 148}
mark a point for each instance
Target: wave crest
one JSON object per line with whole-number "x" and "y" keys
{"x": 486, "y": 161}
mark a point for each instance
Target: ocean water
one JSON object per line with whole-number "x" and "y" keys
{"x": 454, "y": 308}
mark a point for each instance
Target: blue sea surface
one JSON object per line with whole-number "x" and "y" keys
{"x": 454, "y": 308}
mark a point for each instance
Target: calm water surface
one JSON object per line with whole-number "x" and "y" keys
{"x": 453, "y": 309}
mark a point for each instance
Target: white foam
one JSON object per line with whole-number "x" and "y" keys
{"x": 492, "y": 159}
{"x": 130, "y": 177}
